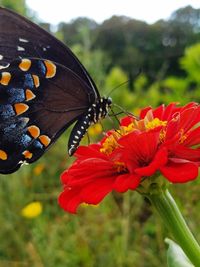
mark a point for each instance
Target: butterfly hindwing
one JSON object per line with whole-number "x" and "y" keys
{"x": 39, "y": 99}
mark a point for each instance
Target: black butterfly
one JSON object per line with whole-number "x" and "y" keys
{"x": 43, "y": 90}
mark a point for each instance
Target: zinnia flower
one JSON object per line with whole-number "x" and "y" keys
{"x": 163, "y": 141}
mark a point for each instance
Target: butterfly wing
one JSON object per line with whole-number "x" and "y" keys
{"x": 21, "y": 38}
{"x": 39, "y": 99}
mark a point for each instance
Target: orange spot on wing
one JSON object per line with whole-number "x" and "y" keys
{"x": 25, "y": 64}
{"x": 29, "y": 95}
{"x": 36, "y": 80}
{"x": 34, "y": 131}
{"x": 45, "y": 140}
{"x": 51, "y": 69}
{"x": 20, "y": 108}
{"x": 3, "y": 155}
{"x": 27, "y": 154}
{"x": 5, "y": 78}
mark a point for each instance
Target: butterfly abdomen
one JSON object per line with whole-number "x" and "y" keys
{"x": 96, "y": 112}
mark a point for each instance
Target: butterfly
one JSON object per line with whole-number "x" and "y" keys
{"x": 43, "y": 90}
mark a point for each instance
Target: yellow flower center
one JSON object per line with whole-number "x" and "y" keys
{"x": 155, "y": 123}
{"x": 148, "y": 123}
{"x": 128, "y": 129}
{"x": 162, "y": 135}
{"x": 110, "y": 143}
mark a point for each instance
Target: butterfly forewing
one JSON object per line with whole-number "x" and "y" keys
{"x": 21, "y": 38}
{"x": 39, "y": 99}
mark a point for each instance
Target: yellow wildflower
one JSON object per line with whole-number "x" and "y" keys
{"x": 32, "y": 210}
{"x": 95, "y": 129}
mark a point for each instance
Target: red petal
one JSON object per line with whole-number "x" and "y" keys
{"x": 189, "y": 105}
{"x": 144, "y": 111}
{"x": 172, "y": 128}
{"x": 87, "y": 171}
{"x": 138, "y": 148}
{"x": 125, "y": 182}
{"x": 169, "y": 111}
{"x": 159, "y": 160}
{"x": 93, "y": 193}
{"x": 189, "y": 118}
{"x": 91, "y": 151}
{"x": 69, "y": 199}
{"x": 193, "y": 137}
{"x": 186, "y": 153}
{"x": 159, "y": 111}
{"x": 126, "y": 121}
{"x": 180, "y": 172}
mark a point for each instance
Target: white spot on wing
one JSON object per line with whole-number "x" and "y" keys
{"x": 44, "y": 49}
{"x": 23, "y": 40}
{"x": 1, "y": 57}
{"x": 3, "y": 67}
{"x": 19, "y": 48}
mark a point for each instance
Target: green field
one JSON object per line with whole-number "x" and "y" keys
{"x": 124, "y": 230}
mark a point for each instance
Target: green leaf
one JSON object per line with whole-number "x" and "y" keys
{"x": 175, "y": 255}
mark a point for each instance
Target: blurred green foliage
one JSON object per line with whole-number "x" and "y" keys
{"x": 122, "y": 231}
{"x": 18, "y": 6}
{"x": 135, "y": 46}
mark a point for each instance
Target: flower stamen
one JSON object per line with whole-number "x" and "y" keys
{"x": 120, "y": 166}
{"x": 183, "y": 136}
{"x": 110, "y": 143}
{"x": 155, "y": 123}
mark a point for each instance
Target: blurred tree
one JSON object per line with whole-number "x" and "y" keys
{"x": 70, "y": 33}
{"x": 178, "y": 33}
{"x": 188, "y": 15}
{"x": 155, "y": 48}
{"x": 94, "y": 60}
{"x": 122, "y": 40}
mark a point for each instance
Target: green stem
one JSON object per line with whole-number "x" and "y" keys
{"x": 173, "y": 219}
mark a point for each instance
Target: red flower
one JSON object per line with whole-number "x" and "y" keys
{"x": 162, "y": 140}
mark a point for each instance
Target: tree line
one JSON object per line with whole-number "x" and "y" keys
{"x": 133, "y": 45}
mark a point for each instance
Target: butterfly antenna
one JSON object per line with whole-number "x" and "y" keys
{"x": 130, "y": 114}
{"x": 115, "y": 116}
{"x": 121, "y": 84}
